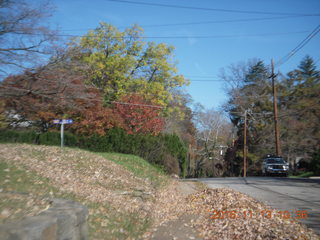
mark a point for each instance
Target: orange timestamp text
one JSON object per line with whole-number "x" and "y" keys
{"x": 264, "y": 214}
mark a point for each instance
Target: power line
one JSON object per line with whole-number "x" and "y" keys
{"x": 207, "y": 9}
{"x": 220, "y": 21}
{"x": 269, "y": 96}
{"x": 291, "y": 114}
{"x": 204, "y": 80}
{"x": 50, "y": 96}
{"x": 265, "y": 113}
{"x": 75, "y": 97}
{"x": 298, "y": 47}
{"x": 194, "y": 37}
{"x": 201, "y": 76}
{"x": 294, "y": 113}
{"x": 204, "y": 22}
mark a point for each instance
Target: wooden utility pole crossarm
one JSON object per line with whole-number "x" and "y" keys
{"x": 275, "y": 111}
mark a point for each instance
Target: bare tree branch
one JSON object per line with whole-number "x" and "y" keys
{"x": 24, "y": 35}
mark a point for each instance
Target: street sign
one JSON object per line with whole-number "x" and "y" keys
{"x": 66, "y": 121}
{"x": 62, "y": 122}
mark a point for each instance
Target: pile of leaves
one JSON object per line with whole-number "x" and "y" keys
{"x": 245, "y": 218}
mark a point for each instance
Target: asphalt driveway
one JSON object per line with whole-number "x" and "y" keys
{"x": 284, "y": 194}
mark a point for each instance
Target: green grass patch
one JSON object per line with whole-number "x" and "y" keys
{"x": 302, "y": 175}
{"x": 108, "y": 223}
{"x": 19, "y": 180}
{"x": 139, "y": 167}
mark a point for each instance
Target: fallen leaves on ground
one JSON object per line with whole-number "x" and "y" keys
{"x": 84, "y": 174}
{"x": 113, "y": 193}
{"x": 245, "y": 218}
{"x": 15, "y": 206}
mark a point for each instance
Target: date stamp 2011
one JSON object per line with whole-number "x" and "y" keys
{"x": 264, "y": 214}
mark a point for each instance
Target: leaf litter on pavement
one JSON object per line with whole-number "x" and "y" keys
{"x": 228, "y": 214}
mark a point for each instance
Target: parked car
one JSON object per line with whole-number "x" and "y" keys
{"x": 274, "y": 165}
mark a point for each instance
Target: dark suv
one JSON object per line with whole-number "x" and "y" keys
{"x": 274, "y": 165}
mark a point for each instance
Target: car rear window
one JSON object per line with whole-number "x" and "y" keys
{"x": 275, "y": 160}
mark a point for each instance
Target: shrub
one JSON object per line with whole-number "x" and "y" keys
{"x": 50, "y": 138}
{"x": 8, "y": 136}
{"x": 70, "y": 140}
{"x": 28, "y": 137}
{"x": 177, "y": 148}
{"x": 164, "y": 150}
{"x": 94, "y": 143}
{"x": 13, "y": 136}
{"x": 315, "y": 163}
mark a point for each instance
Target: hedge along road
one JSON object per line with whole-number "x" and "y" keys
{"x": 284, "y": 194}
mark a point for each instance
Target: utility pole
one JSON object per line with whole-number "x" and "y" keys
{"x": 275, "y": 110}
{"x": 245, "y": 145}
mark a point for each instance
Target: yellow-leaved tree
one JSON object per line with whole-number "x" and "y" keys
{"x": 122, "y": 63}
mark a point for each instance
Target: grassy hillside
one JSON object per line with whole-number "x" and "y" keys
{"x": 119, "y": 190}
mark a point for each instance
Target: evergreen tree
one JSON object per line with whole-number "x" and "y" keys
{"x": 253, "y": 95}
{"x": 301, "y": 110}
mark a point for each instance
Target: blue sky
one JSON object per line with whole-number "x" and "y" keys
{"x": 227, "y": 41}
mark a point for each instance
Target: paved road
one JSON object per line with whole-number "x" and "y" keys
{"x": 285, "y": 194}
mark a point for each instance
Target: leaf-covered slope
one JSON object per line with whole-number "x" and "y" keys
{"x": 83, "y": 173}
{"x": 119, "y": 200}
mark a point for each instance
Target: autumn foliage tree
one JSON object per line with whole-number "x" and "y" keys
{"x": 89, "y": 78}
{"x": 121, "y": 63}
{"x": 45, "y": 94}
{"x": 139, "y": 115}
{"x": 39, "y": 97}
{"x": 97, "y": 120}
